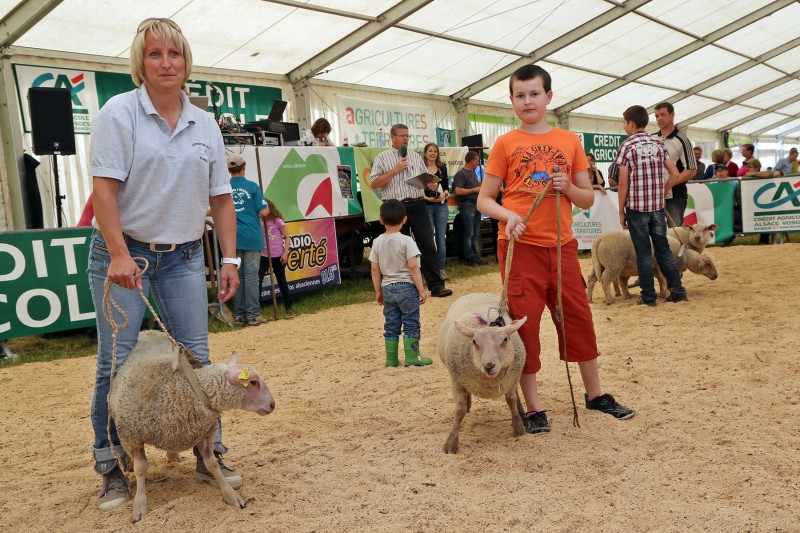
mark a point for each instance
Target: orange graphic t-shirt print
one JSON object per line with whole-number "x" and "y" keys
{"x": 525, "y": 161}
{"x": 536, "y": 163}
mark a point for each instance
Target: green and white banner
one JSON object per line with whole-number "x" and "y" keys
{"x": 43, "y": 282}
{"x": 445, "y": 137}
{"x": 603, "y": 146}
{"x": 307, "y": 182}
{"x": 92, "y": 89}
{"x": 369, "y": 122}
{"x": 712, "y": 203}
{"x": 603, "y": 216}
{"x": 708, "y": 203}
{"x": 771, "y": 205}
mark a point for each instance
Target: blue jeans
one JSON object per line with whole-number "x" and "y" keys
{"x": 401, "y": 306}
{"x": 471, "y": 223}
{"x": 178, "y": 283}
{"x": 246, "y": 301}
{"x": 644, "y": 226}
{"x": 438, "y": 213}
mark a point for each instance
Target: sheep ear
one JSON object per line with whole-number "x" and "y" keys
{"x": 514, "y": 326}
{"x": 713, "y": 227}
{"x": 234, "y": 360}
{"x": 466, "y": 330}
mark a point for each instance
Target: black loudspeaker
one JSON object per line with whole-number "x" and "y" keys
{"x": 51, "y": 121}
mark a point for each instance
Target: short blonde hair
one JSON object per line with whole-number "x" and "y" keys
{"x": 169, "y": 31}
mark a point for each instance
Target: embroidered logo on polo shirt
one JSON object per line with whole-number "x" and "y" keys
{"x": 203, "y": 151}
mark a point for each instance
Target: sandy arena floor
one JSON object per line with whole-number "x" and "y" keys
{"x": 353, "y": 446}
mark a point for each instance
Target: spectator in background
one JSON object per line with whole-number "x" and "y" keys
{"x": 276, "y": 239}
{"x": 394, "y": 259}
{"x": 733, "y": 168}
{"x": 679, "y": 148}
{"x": 642, "y": 186}
{"x": 750, "y": 163}
{"x": 467, "y": 188}
{"x": 388, "y": 176}
{"x": 613, "y": 175}
{"x": 781, "y": 168}
{"x": 595, "y": 176}
{"x": 88, "y": 213}
{"x": 701, "y": 167}
{"x": 249, "y": 205}
{"x": 436, "y": 197}
{"x": 720, "y": 172}
{"x": 717, "y": 158}
{"x": 318, "y": 134}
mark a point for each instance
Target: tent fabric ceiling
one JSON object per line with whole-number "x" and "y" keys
{"x": 646, "y": 51}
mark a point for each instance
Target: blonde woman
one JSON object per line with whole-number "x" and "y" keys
{"x": 157, "y": 163}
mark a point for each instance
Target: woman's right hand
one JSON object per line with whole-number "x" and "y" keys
{"x": 124, "y": 271}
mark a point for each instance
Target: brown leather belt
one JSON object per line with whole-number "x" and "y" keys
{"x": 409, "y": 200}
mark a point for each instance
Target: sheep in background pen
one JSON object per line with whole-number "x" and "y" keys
{"x": 614, "y": 258}
{"x": 152, "y": 404}
{"x": 482, "y": 359}
{"x": 694, "y": 236}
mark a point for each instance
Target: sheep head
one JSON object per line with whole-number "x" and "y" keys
{"x": 700, "y": 234}
{"x": 492, "y": 350}
{"x": 257, "y": 397}
{"x": 704, "y": 266}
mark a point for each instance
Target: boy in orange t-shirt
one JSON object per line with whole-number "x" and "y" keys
{"x": 524, "y": 160}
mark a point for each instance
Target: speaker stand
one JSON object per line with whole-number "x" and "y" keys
{"x": 59, "y": 197}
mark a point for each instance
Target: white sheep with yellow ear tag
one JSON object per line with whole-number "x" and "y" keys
{"x": 153, "y": 404}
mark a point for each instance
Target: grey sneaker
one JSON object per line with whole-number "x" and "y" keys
{"x": 239, "y": 321}
{"x": 115, "y": 491}
{"x": 255, "y": 321}
{"x": 201, "y": 473}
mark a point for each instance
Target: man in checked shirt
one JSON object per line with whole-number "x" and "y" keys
{"x": 390, "y": 170}
{"x": 641, "y": 159}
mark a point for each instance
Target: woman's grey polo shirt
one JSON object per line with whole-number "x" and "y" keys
{"x": 167, "y": 176}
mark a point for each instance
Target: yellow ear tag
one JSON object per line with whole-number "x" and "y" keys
{"x": 244, "y": 376}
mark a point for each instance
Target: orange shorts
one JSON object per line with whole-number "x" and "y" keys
{"x": 533, "y": 284}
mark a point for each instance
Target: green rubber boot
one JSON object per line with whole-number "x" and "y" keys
{"x": 391, "y": 351}
{"x": 413, "y": 358}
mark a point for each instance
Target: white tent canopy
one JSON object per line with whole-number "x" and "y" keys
{"x": 604, "y": 54}
{"x": 728, "y": 65}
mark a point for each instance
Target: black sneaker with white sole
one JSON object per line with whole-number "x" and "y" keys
{"x": 607, "y": 404}
{"x": 536, "y": 423}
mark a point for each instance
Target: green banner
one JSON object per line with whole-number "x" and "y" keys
{"x": 44, "y": 283}
{"x": 445, "y": 137}
{"x": 92, "y": 89}
{"x": 712, "y": 203}
{"x": 603, "y": 146}
{"x": 307, "y": 182}
{"x": 369, "y": 198}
